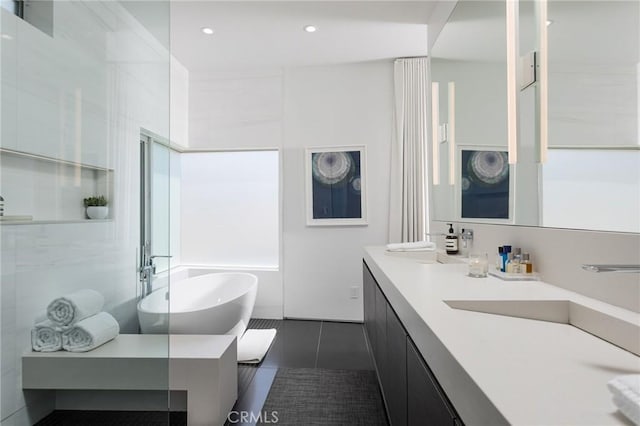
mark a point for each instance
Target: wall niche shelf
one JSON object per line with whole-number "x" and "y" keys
{"x": 51, "y": 222}
{"x": 52, "y": 159}
{"x": 49, "y": 190}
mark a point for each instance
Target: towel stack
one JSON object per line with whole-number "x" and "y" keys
{"x": 74, "y": 323}
{"x": 626, "y": 395}
{"x": 414, "y": 246}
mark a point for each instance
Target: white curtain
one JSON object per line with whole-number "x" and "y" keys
{"x": 407, "y": 213}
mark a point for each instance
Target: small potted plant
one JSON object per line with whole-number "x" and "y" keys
{"x": 96, "y": 207}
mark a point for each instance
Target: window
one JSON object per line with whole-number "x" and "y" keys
{"x": 230, "y": 209}
{"x": 38, "y": 13}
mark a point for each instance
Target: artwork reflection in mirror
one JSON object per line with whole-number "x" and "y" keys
{"x": 484, "y": 184}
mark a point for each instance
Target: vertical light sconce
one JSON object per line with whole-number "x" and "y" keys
{"x": 451, "y": 132}
{"x": 512, "y": 80}
{"x": 435, "y": 131}
{"x": 543, "y": 78}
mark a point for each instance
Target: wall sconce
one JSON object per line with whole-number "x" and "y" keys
{"x": 435, "y": 131}
{"x": 451, "y": 132}
{"x": 543, "y": 74}
{"x": 512, "y": 80}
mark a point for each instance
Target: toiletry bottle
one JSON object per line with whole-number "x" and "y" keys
{"x": 499, "y": 258}
{"x": 527, "y": 266}
{"x": 505, "y": 256}
{"x": 508, "y": 267}
{"x": 517, "y": 259}
{"x": 451, "y": 241}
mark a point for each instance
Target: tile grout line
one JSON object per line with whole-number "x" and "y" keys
{"x": 315, "y": 365}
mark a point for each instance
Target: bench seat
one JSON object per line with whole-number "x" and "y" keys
{"x": 204, "y": 366}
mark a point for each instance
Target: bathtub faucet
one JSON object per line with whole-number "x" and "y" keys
{"x": 147, "y": 271}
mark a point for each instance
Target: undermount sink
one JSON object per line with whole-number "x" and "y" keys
{"x": 606, "y": 326}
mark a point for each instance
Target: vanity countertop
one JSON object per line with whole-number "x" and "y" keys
{"x": 498, "y": 368}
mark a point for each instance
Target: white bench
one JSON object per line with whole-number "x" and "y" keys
{"x": 204, "y": 366}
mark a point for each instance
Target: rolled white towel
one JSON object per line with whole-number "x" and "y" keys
{"x": 67, "y": 310}
{"x": 626, "y": 395}
{"x": 46, "y": 337}
{"x": 414, "y": 246}
{"x": 90, "y": 333}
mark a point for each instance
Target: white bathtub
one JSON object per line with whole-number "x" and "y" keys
{"x": 216, "y": 303}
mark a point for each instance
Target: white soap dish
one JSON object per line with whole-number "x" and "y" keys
{"x": 515, "y": 277}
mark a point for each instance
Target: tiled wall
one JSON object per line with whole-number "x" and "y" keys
{"x": 82, "y": 96}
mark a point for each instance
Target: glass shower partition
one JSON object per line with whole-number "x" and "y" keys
{"x": 79, "y": 80}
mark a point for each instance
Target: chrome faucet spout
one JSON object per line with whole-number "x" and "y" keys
{"x": 466, "y": 235}
{"x": 612, "y": 268}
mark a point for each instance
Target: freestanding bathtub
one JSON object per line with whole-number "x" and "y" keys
{"x": 214, "y": 303}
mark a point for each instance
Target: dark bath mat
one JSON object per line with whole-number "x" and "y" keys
{"x": 307, "y": 396}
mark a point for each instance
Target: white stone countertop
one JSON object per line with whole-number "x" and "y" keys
{"x": 498, "y": 369}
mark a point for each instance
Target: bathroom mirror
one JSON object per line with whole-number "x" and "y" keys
{"x": 468, "y": 61}
{"x": 591, "y": 176}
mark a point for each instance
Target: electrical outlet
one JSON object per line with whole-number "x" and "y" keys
{"x": 354, "y": 292}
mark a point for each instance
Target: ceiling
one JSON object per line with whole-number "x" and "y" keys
{"x": 267, "y": 35}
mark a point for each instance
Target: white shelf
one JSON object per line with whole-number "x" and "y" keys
{"x": 52, "y": 222}
{"x": 43, "y": 190}
{"x": 52, "y": 159}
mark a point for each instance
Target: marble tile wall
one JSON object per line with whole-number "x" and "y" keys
{"x": 83, "y": 96}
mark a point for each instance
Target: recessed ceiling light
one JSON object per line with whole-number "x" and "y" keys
{"x": 310, "y": 29}
{"x": 207, "y": 30}
{"x": 549, "y": 22}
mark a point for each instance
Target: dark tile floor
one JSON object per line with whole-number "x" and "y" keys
{"x": 301, "y": 344}
{"x": 298, "y": 344}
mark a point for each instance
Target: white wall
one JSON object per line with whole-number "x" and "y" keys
{"x": 333, "y": 106}
{"x": 86, "y": 92}
{"x": 179, "y": 108}
{"x": 235, "y": 110}
{"x": 291, "y": 110}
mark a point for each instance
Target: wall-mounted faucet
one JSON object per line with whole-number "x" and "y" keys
{"x": 466, "y": 235}
{"x": 612, "y": 268}
{"x": 148, "y": 270}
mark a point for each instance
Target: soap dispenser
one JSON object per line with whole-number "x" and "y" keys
{"x": 451, "y": 241}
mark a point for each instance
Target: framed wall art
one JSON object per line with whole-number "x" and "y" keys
{"x": 336, "y": 186}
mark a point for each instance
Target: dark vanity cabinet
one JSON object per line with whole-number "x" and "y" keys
{"x": 380, "y": 326}
{"x": 411, "y": 393}
{"x": 395, "y": 386}
{"x": 369, "y": 297}
{"x": 426, "y": 399}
